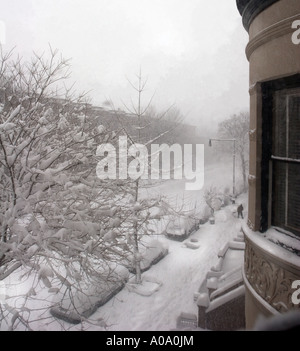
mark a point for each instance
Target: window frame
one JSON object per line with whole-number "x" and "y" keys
{"x": 269, "y": 89}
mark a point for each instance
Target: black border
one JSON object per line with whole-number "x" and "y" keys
{"x": 249, "y": 9}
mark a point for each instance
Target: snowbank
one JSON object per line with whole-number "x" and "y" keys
{"x": 147, "y": 287}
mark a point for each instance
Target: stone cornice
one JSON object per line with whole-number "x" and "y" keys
{"x": 275, "y": 31}
{"x": 249, "y": 9}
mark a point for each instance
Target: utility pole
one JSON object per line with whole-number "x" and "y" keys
{"x": 234, "y": 157}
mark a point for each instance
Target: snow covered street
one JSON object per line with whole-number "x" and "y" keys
{"x": 168, "y": 287}
{"x": 181, "y": 273}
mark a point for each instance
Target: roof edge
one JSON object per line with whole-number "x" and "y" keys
{"x": 249, "y": 9}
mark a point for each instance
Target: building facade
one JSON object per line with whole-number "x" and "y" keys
{"x": 272, "y": 236}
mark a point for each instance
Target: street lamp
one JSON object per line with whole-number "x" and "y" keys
{"x": 233, "y": 176}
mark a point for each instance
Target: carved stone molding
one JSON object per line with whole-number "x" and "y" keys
{"x": 275, "y": 31}
{"x": 270, "y": 281}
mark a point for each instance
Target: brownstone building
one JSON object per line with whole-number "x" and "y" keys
{"x": 272, "y": 237}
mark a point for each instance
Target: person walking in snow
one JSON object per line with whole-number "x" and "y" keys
{"x": 240, "y": 211}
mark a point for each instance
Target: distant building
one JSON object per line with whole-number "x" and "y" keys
{"x": 272, "y": 237}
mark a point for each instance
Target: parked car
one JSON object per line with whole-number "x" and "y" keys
{"x": 179, "y": 228}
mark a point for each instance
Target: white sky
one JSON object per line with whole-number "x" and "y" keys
{"x": 191, "y": 51}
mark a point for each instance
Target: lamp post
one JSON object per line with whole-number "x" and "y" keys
{"x": 233, "y": 176}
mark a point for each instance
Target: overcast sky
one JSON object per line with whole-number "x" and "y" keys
{"x": 191, "y": 51}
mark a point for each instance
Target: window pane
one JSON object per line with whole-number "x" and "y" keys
{"x": 294, "y": 127}
{"x": 279, "y": 126}
{"x": 279, "y": 191}
{"x": 286, "y": 173}
{"x": 293, "y": 210}
{"x": 286, "y": 199}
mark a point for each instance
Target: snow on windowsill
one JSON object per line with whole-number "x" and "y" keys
{"x": 285, "y": 239}
{"x": 272, "y": 242}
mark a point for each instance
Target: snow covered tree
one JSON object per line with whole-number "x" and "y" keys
{"x": 142, "y": 208}
{"x": 58, "y": 221}
{"x": 237, "y": 127}
{"x": 213, "y": 199}
{"x": 64, "y": 229}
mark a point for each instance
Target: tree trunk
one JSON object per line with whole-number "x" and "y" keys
{"x": 4, "y": 234}
{"x": 138, "y": 273}
{"x": 137, "y": 261}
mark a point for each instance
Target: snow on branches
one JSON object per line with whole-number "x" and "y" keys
{"x": 54, "y": 211}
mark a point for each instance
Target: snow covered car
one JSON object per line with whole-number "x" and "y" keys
{"x": 179, "y": 228}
